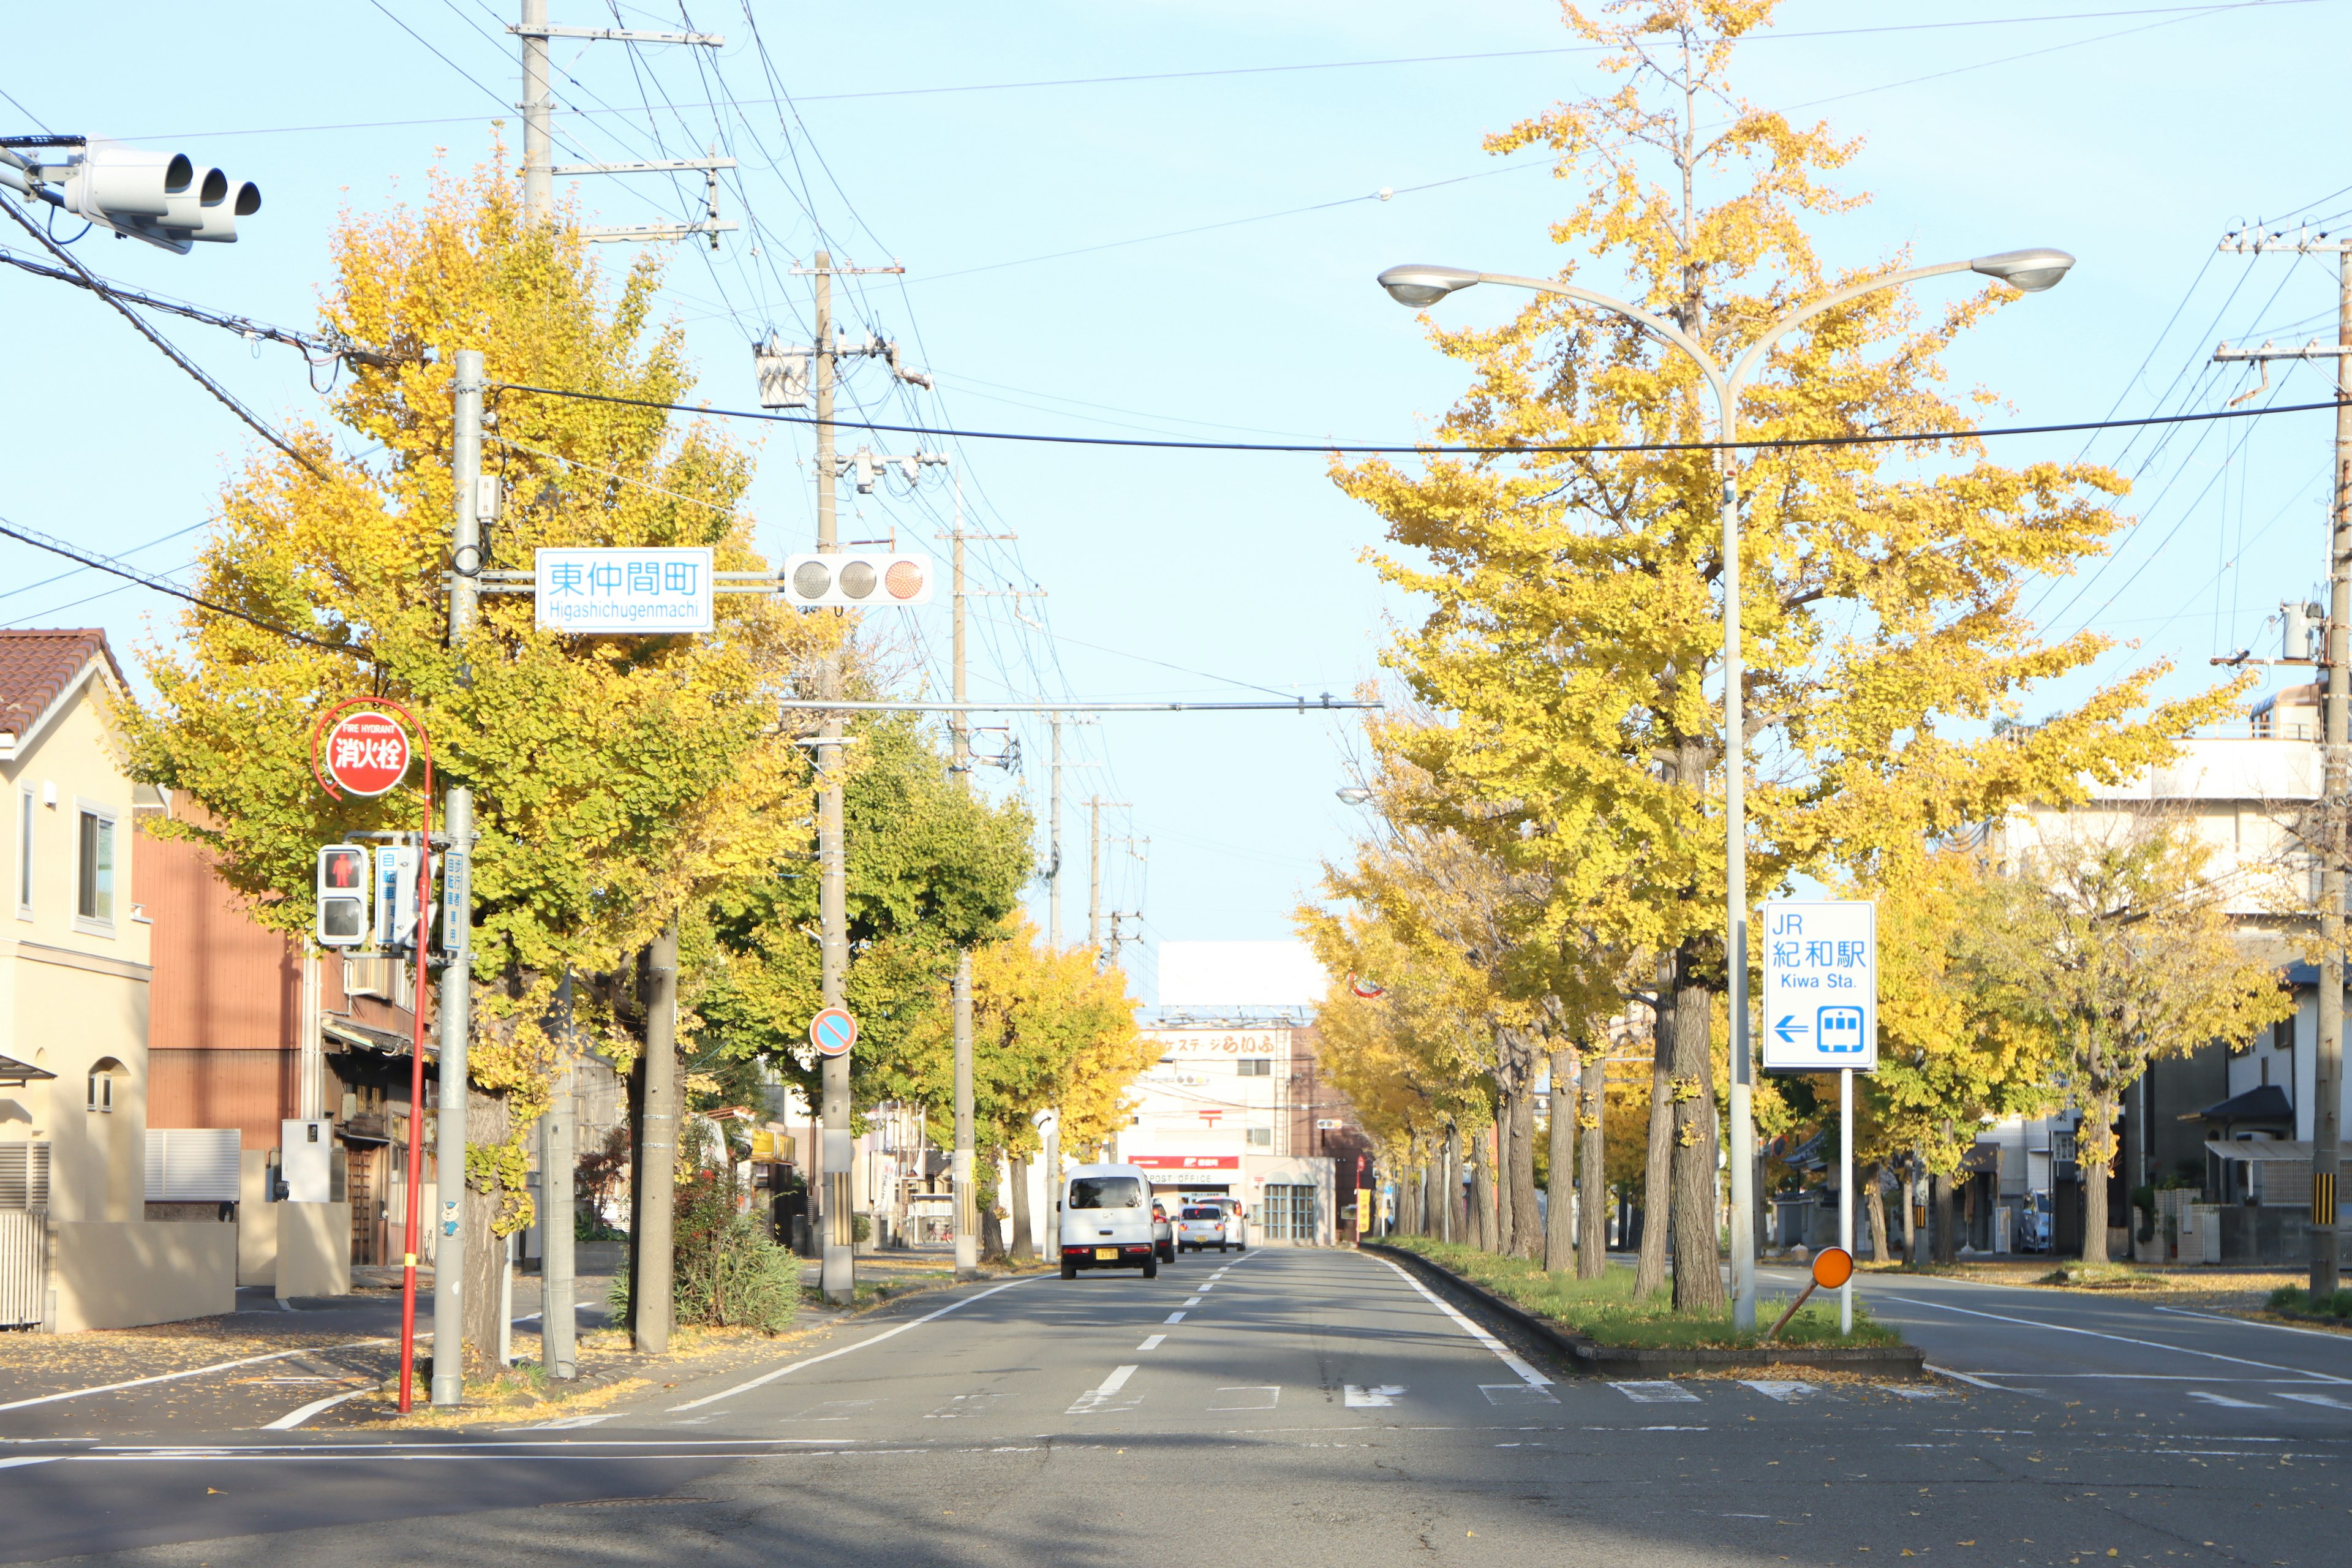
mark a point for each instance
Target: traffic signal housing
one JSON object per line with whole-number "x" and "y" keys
{"x": 343, "y": 896}
{"x": 167, "y": 199}
{"x": 857, "y": 579}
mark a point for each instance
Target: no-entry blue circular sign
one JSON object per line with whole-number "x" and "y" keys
{"x": 833, "y": 1032}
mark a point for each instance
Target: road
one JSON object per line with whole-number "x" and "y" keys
{"x": 1284, "y": 1407}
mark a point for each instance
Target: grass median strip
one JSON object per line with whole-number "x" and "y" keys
{"x": 1607, "y": 1312}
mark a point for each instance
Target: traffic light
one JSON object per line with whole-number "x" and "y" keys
{"x": 342, "y": 896}
{"x": 857, "y": 578}
{"x": 165, "y": 198}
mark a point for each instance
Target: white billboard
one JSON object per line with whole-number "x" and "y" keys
{"x": 1239, "y": 975}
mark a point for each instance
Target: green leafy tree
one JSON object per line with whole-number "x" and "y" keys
{"x": 618, "y": 781}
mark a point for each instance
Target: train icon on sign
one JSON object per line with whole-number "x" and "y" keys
{"x": 1838, "y": 1031}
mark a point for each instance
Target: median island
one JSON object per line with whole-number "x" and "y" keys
{"x": 1605, "y": 1325}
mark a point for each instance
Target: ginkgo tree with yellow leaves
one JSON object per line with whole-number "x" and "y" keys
{"x": 1575, "y": 587}
{"x": 616, "y": 780}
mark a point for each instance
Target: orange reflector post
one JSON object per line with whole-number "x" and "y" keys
{"x": 1833, "y": 1267}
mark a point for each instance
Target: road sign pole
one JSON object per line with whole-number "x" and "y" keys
{"x": 1845, "y": 1192}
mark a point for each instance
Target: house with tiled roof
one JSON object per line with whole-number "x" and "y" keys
{"x": 77, "y": 1248}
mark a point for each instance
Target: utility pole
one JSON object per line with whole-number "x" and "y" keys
{"x": 962, "y": 1172}
{"x": 649, "y": 1281}
{"x": 558, "y": 1327}
{"x": 457, "y": 966}
{"x": 833, "y": 1154}
{"x": 2327, "y": 1075}
{"x": 1053, "y": 840}
{"x": 1094, "y": 874}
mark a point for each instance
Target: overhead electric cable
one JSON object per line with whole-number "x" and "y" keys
{"x": 98, "y": 286}
{"x": 1529, "y": 448}
{"x": 98, "y": 563}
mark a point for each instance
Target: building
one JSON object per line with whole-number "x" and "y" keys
{"x": 78, "y": 1246}
{"x": 2185, "y": 1125}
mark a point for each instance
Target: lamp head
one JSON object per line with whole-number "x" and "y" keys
{"x": 2027, "y": 271}
{"x": 1417, "y": 284}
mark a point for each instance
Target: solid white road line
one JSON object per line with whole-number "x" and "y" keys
{"x": 2252, "y": 1323}
{"x": 2224, "y": 1399}
{"x": 1152, "y": 1344}
{"x": 767, "y": 1377}
{"x": 1969, "y": 1378}
{"x": 2120, "y": 1339}
{"x": 1527, "y": 1375}
{"x": 293, "y": 1418}
{"x": 192, "y": 1372}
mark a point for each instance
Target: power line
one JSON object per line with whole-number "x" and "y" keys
{"x": 1378, "y": 448}
{"x": 115, "y": 568}
{"x": 98, "y": 286}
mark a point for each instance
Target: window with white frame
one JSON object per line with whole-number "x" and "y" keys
{"x": 95, "y": 868}
{"x": 24, "y": 853}
{"x": 1254, "y": 1066}
{"x": 1260, "y": 1137}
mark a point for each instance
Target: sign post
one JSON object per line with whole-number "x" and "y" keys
{"x": 367, "y": 754}
{"x": 1820, "y": 1015}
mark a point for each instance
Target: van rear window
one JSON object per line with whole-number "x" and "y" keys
{"x": 1106, "y": 1192}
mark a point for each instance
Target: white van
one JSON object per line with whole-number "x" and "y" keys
{"x": 1106, "y": 1220}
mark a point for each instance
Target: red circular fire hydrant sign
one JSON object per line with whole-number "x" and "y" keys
{"x": 365, "y": 754}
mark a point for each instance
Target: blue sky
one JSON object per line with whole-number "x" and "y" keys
{"x": 1041, "y": 291}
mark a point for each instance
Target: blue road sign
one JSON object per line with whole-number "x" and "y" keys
{"x": 1820, "y": 985}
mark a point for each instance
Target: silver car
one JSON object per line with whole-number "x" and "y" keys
{"x": 1199, "y": 1228}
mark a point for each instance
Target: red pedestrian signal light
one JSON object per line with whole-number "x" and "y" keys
{"x": 343, "y": 896}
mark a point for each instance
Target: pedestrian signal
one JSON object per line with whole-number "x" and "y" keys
{"x": 343, "y": 896}
{"x": 857, "y": 579}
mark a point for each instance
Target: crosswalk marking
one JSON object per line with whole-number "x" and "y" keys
{"x": 1913, "y": 1391}
{"x": 1362, "y": 1398}
{"x": 962, "y": 1404}
{"x": 1099, "y": 1397}
{"x": 1256, "y": 1398}
{"x": 1516, "y": 1394}
{"x": 1785, "y": 1392}
{"x": 2225, "y": 1399}
{"x": 1656, "y": 1392}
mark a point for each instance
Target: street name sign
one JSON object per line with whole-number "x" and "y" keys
{"x": 629, "y": 592}
{"x": 1821, "y": 985}
{"x": 365, "y": 754}
{"x": 833, "y": 1032}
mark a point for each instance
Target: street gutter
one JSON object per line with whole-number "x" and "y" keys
{"x": 1591, "y": 1356}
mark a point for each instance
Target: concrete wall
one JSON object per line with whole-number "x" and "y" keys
{"x": 106, "y": 1274}
{"x": 314, "y": 1249}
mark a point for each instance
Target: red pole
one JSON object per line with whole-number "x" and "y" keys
{"x": 416, "y": 1047}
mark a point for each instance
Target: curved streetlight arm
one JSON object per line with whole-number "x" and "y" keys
{"x": 1656, "y": 323}
{"x": 1798, "y": 316}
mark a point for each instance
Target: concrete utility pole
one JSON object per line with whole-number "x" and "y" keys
{"x": 1094, "y": 874}
{"x": 538, "y": 143}
{"x": 834, "y": 1154}
{"x": 457, "y": 973}
{"x": 961, "y": 1166}
{"x": 558, "y": 1159}
{"x": 2328, "y": 1067}
{"x": 649, "y": 1296}
{"x": 1054, "y": 842}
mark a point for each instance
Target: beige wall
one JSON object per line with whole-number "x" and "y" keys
{"x": 73, "y": 992}
{"x": 314, "y": 1249}
{"x": 120, "y": 1275}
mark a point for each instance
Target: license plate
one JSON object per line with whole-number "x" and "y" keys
{"x": 1106, "y": 1254}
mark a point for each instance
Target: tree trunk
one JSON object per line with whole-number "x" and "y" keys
{"x": 1941, "y": 1239}
{"x": 1698, "y": 1275}
{"x": 1593, "y": 1180}
{"x": 488, "y": 1122}
{"x": 992, "y": 1224}
{"x": 1527, "y": 1215}
{"x": 1024, "y": 1237}
{"x": 1559, "y": 1214}
{"x": 1915, "y": 1202}
{"x": 1650, "y": 1267}
{"x": 2090, "y": 1137}
{"x": 1873, "y": 1198}
{"x": 1450, "y": 1188}
{"x": 1485, "y": 1229}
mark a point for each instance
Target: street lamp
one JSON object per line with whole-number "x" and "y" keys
{"x": 2028, "y": 271}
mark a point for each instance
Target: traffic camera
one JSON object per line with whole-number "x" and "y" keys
{"x": 343, "y": 896}
{"x": 857, "y": 578}
{"x": 165, "y": 198}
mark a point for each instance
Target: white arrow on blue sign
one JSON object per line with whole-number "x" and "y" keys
{"x": 1820, "y": 985}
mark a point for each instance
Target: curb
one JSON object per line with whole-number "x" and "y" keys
{"x": 1605, "y": 1361}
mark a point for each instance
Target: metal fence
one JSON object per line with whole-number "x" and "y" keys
{"x": 24, "y": 1234}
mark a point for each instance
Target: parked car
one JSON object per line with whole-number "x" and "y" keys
{"x": 1106, "y": 1220}
{"x": 1163, "y": 1234}
{"x": 1203, "y": 1226}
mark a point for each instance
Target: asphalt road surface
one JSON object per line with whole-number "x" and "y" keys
{"x": 1284, "y": 1408}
